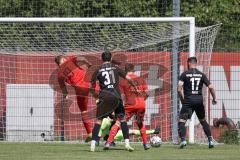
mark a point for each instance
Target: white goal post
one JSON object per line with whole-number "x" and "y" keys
{"x": 190, "y": 20}
{"x": 191, "y": 35}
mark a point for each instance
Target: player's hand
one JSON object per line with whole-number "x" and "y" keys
{"x": 214, "y": 101}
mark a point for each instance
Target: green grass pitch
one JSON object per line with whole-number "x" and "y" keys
{"x": 58, "y": 151}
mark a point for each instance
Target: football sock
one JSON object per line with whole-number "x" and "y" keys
{"x": 125, "y": 130}
{"x": 182, "y": 130}
{"x": 105, "y": 138}
{"x": 86, "y": 123}
{"x": 112, "y": 133}
{"x": 126, "y": 142}
{"x": 206, "y": 129}
{"x": 143, "y": 132}
{"x": 95, "y": 132}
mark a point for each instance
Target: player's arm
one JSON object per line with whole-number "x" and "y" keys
{"x": 210, "y": 88}
{"x": 180, "y": 91}
{"x": 83, "y": 61}
{"x": 212, "y": 91}
{"x": 145, "y": 90}
{"x": 62, "y": 85}
{"x": 124, "y": 75}
{"x": 132, "y": 83}
{"x": 180, "y": 87}
{"x": 93, "y": 84}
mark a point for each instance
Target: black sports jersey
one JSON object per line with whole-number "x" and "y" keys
{"x": 108, "y": 76}
{"x": 193, "y": 81}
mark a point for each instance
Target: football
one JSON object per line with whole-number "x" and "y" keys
{"x": 155, "y": 141}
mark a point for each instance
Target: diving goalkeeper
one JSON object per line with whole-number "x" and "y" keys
{"x": 106, "y": 126}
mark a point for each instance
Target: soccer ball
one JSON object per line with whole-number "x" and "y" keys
{"x": 155, "y": 141}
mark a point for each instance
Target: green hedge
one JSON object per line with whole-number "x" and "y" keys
{"x": 207, "y": 12}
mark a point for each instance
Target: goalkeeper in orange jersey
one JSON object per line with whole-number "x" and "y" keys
{"x": 72, "y": 70}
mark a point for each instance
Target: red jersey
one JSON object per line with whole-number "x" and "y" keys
{"x": 71, "y": 73}
{"x": 132, "y": 99}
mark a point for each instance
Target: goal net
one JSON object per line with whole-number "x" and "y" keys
{"x": 31, "y": 108}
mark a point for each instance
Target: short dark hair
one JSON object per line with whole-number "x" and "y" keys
{"x": 58, "y": 59}
{"x": 129, "y": 67}
{"x": 192, "y": 60}
{"x": 106, "y": 56}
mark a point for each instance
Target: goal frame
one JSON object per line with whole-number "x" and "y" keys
{"x": 190, "y": 20}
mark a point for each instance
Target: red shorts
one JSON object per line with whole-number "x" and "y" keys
{"x": 137, "y": 111}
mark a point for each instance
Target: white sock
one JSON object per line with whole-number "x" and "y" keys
{"x": 126, "y": 142}
{"x": 93, "y": 143}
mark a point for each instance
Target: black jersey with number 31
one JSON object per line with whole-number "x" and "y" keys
{"x": 193, "y": 81}
{"x": 108, "y": 76}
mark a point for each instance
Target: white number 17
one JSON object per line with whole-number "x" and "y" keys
{"x": 193, "y": 80}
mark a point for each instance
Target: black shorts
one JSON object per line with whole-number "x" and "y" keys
{"x": 189, "y": 106}
{"x": 109, "y": 102}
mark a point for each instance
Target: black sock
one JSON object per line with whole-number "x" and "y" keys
{"x": 95, "y": 132}
{"x": 125, "y": 130}
{"x": 206, "y": 129}
{"x": 105, "y": 137}
{"x": 182, "y": 130}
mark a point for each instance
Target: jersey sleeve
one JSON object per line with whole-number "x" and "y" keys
{"x": 123, "y": 86}
{"x": 61, "y": 82}
{"x": 94, "y": 79}
{"x": 182, "y": 79}
{"x": 206, "y": 80}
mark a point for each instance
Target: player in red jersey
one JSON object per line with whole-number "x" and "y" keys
{"x": 72, "y": 70}
{"x": 135, "y": 102}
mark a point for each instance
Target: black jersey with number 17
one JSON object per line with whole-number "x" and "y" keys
{"x": 193, "y": 81}
{"x": 108, "y": 76}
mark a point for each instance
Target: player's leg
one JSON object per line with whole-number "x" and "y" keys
{"x": 120, "y": 113}
{"x": 119, "y": 135}
{"x": 137, "y": 132}
{"x": 200, "y": 112}
{"x": 140, "y": 118}
{"x": 185, "y": 114}
{"x": 83, "y": 105}
{"x": 105, "y": 134}
{"x": 95, "y": 137}
{"x": 113, "y": 131}
{"x": 105, "y": 127}
{"x": 121, "y": 122}
{"x": 100, "y": 114}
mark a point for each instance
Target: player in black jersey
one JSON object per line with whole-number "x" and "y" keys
{"x": 190, "y": 93}
{"x": 109, "y": 99}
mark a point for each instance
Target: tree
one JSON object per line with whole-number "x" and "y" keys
{"x": 217, "y": 11}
